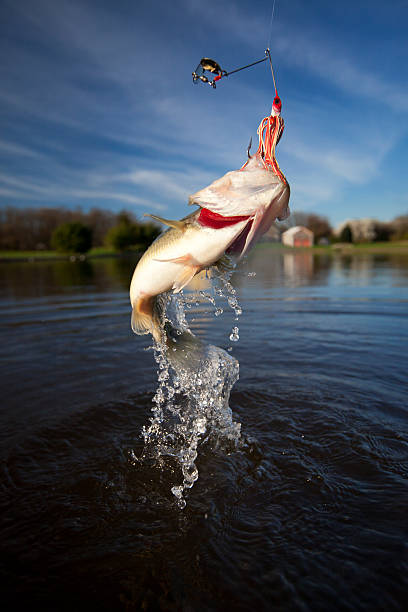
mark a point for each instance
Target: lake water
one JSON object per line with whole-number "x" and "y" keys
{"x": 306, "y": 511}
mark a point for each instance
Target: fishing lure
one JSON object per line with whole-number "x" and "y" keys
{"x": 208, "y": 68}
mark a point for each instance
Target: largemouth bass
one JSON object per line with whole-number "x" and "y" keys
{"x": 171, "y": 262}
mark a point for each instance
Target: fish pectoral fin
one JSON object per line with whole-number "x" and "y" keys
{"x": 184, "y": 259}
{"x": 180, "y": 225}
{"x": 190, "y": 269}
{"x": 184, "y": 277}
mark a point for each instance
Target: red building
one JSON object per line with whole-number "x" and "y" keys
{"x": 298, "y": 236}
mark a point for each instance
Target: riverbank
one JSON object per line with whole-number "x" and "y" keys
{"x": 394, "y": 247}
{"x": 97, "y": 252}
{"x": 391, "y": 247}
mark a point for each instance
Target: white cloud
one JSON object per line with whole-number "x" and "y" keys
{"x": 354, "y": 168}
{"x": 15, "y": 149}
{"x": 28, "y": 190}
{"x": 328, "y": 61}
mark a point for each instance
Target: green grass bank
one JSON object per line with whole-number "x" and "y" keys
{"x": 393, "y": 247}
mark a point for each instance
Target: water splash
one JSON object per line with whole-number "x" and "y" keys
{"x": 191, "y": 403}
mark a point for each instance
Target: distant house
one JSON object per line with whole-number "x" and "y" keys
{"x": 361, "y": 229}
{"x": 298, "y": 236}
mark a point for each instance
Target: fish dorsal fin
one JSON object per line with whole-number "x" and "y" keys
{"x": 179, "y": 225}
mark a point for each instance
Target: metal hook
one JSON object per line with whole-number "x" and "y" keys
{"x": 249, "y": 148}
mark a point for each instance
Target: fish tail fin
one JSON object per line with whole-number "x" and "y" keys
{"x": 184, "y": 350}
{"x": 146, "y": 317}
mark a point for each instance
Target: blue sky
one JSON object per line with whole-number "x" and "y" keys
{"x": 98, "y": 108}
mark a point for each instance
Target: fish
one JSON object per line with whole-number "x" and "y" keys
{"x": 233, "y": 212}
{"x": 170, "y": 263}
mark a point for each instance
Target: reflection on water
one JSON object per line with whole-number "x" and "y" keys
{"x": 54, "y": 277}
{"x": 298, "y": 267}
{"x": 272, "y": 268}
{"x": 307, "y": 512}
{"x": 308, "y": 268}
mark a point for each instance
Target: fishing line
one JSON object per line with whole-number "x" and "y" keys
{"x": 270, "y": 24}
{"x": 268, "y": 52}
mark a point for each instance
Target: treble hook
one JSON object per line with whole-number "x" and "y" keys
{"x": 249, "y": 148}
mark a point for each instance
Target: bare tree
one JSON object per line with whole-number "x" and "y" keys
{"x": 400, "y": 228}
{"x": 318, "y": 224}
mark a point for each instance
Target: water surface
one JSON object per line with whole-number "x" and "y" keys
{"x": 307, "y": 512}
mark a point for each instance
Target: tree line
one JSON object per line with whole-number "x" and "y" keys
{"x": 356, "y": 230}
{"x": 61, "y": 229}
{"x": 372, "y": 230}
{"x": 67, "y": 230}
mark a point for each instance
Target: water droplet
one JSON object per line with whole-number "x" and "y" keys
{"x": 190, "y": 474}
{"x": 177, "y": 491}
{"x": 234, "y": 336}
{"x": 200, "y": 425}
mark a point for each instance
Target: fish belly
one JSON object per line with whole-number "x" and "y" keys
{"x": 153, "y": 278}
{"x": 157, "y": 271}
{"x": 214, "y": 242}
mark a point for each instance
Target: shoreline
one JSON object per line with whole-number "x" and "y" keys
{"x": 386, "y": 248}
{"x": 35, "y": 257}
{"x": 360, "y": 248}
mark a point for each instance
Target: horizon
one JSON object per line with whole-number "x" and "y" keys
{"x": 98, "y": 108}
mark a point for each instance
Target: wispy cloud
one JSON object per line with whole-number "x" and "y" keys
{"x": 27, "y": 190}
{"x": 353, "y": 167}
{"x": 330, "y": 62}
{"x": 15, "y": 149}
